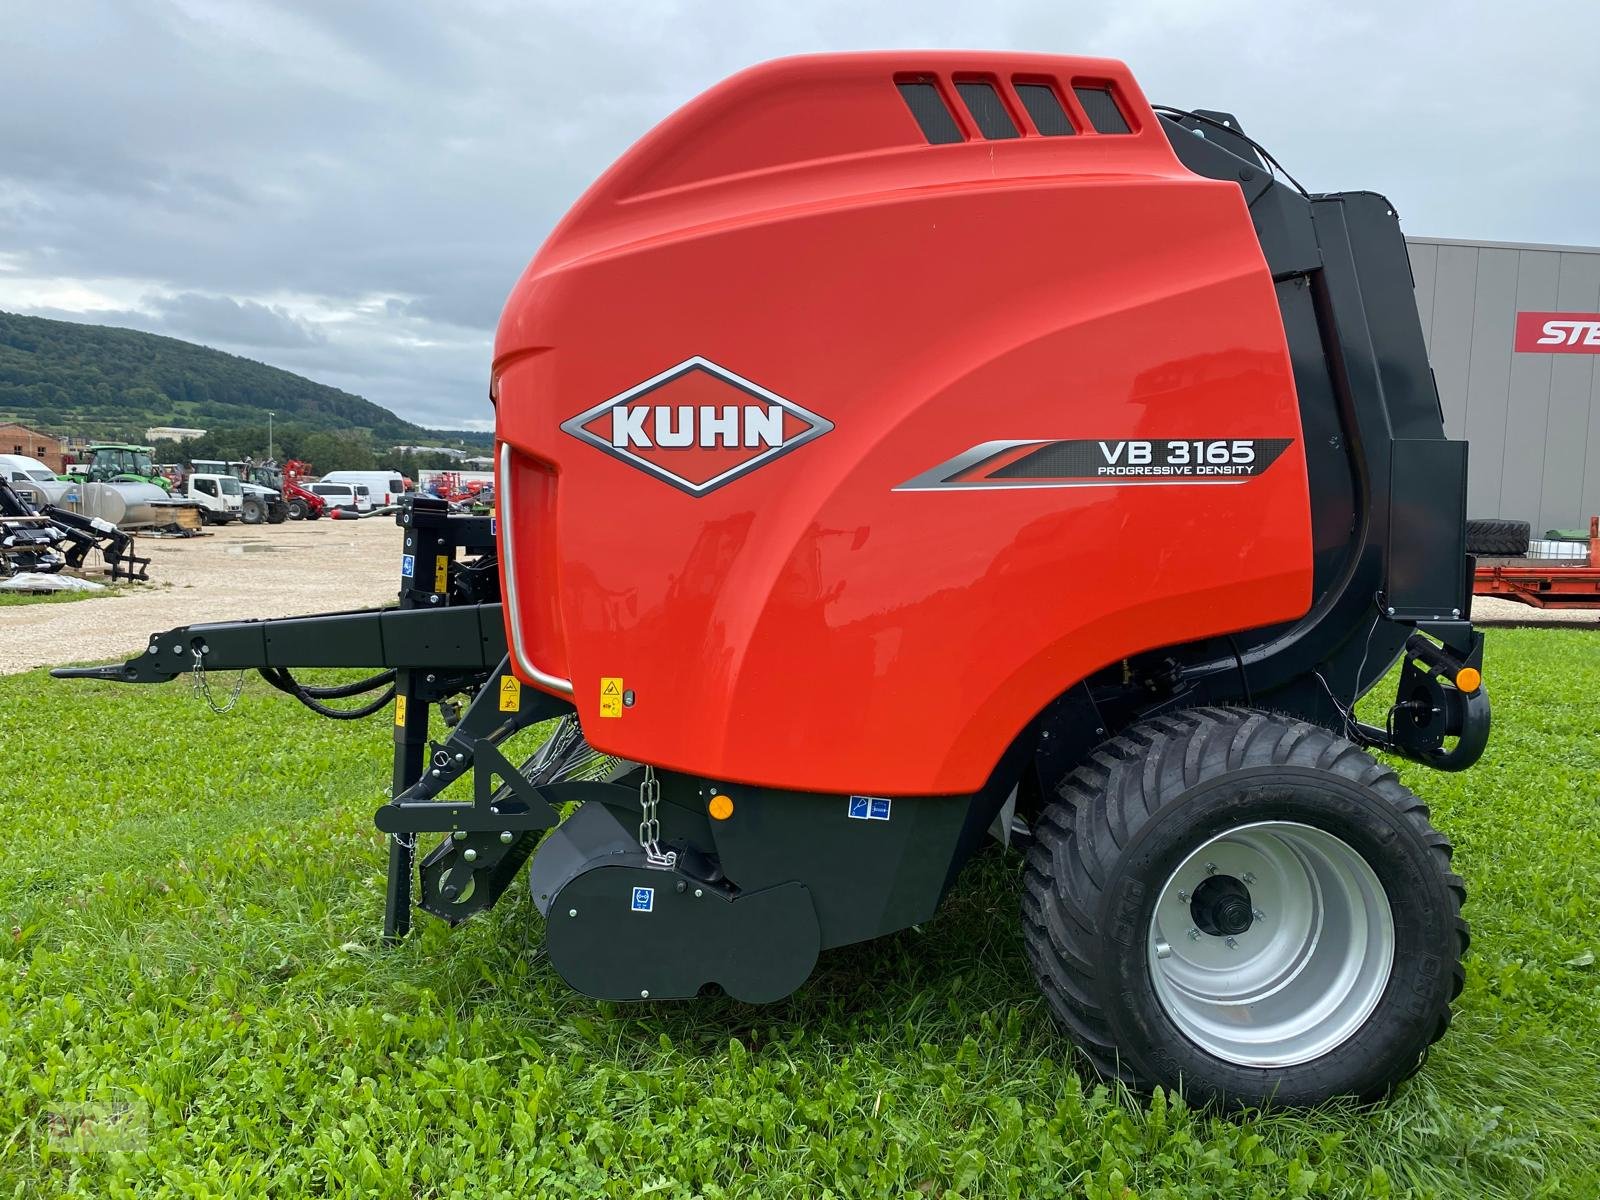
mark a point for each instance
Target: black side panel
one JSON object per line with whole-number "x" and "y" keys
{"x": 867, "y": 876}
{"x": 620, "y": 929}
{"x": 1427, "y": 530}
{"x": 1381, "y": 294}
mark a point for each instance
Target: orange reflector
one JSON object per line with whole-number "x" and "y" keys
{"x": 1469, "y": 679}
{"x": 721, "y": 807}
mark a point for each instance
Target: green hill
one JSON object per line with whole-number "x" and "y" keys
{"x": 109, "y": 383}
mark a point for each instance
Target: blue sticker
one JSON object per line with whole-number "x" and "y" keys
{"x": 644, "y": 899}
{"x": 869, "y": 808}
{"x": 408, "y": 565}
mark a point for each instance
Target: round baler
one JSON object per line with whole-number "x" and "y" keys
{"x": 895, "y": 449}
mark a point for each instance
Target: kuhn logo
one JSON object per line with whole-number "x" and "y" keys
{"x": 1558, "y": 333}
{"x": 697, "y": 426}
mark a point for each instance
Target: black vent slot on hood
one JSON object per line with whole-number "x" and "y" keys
{"x": 928, "y": 107}
{"x": 1101, "y": 107}
{"x": 1044, "y": 109}
{"x": 988, "y": 110}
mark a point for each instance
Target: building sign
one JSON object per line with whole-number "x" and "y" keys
{"x": 1558, "y": 333}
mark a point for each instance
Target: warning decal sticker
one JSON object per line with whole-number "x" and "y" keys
{"x": 611, "y": 696}
{"x": 510, "y": 693}
{"x": 1095, "y": 462}
{"x": 869, "y": 808}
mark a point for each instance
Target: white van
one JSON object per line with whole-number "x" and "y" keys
{"x": 348, "y": 497}
{"x": 33, "y": 481}
{"x": 19, "y": 468}
{"x": 387, "y": 487}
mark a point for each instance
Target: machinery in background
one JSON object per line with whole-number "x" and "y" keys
{"x": 269, "y": 493}
{"x": 468, "y": 495}
{"x": 259, "y": 501}
{"x": 115, "y": 462}
{"x": 45, "y": 539}
{"x": 292, "y": 479}
{"x": 127, "y": 505}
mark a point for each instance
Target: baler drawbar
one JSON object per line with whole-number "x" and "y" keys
{"x": 895, "y": 449}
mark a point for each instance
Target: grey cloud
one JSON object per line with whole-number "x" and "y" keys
{"x": 239, "y": 323}
{"x": 241, "y": 326}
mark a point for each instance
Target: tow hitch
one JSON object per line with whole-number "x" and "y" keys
{"x": 1440, "y": 696}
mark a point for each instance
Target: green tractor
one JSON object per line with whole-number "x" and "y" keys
{"x": 110, "y": 462}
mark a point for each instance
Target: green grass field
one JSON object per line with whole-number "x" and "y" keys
{"x": 196, "y": 1003}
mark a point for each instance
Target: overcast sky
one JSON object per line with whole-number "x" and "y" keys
{"x": 348, "y": 188}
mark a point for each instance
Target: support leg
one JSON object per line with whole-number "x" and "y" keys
{"x": 410, "y": 757}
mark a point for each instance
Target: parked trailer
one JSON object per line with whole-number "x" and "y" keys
{"x": 1546, "y": 584}
{"x": 835, "y": 427}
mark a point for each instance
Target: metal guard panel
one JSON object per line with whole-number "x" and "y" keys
{"x": 804, "y": 625}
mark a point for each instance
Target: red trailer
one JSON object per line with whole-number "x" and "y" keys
{"x": 1545, "y": 585}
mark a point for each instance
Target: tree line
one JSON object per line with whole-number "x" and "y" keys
{"x": 325, "y": 450}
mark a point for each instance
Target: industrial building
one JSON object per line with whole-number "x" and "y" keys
{"x": 1513, "y": 333}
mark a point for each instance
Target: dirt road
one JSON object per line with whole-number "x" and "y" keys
{"x": 237, "y": 571}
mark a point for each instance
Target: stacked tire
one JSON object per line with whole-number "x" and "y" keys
{"x": 1498, "y": 539}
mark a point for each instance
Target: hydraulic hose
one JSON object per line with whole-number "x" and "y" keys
{"x": 312, "y": 697}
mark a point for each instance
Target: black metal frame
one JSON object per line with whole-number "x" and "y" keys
{"x": 440, "y": 641}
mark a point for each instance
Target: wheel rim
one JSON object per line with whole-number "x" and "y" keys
{"x": 1306, "y": 973}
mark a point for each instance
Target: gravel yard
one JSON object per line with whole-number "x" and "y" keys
{"x": 304, "y": 567}
{"x": 1491, "y": 610}
{"x": 235, "y": 571}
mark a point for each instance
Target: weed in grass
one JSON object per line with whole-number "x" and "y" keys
{"x": 192, "y": 958}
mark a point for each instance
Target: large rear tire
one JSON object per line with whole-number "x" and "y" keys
{"x": 252, "y": 511}
{"x": 1246, "y": 908}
